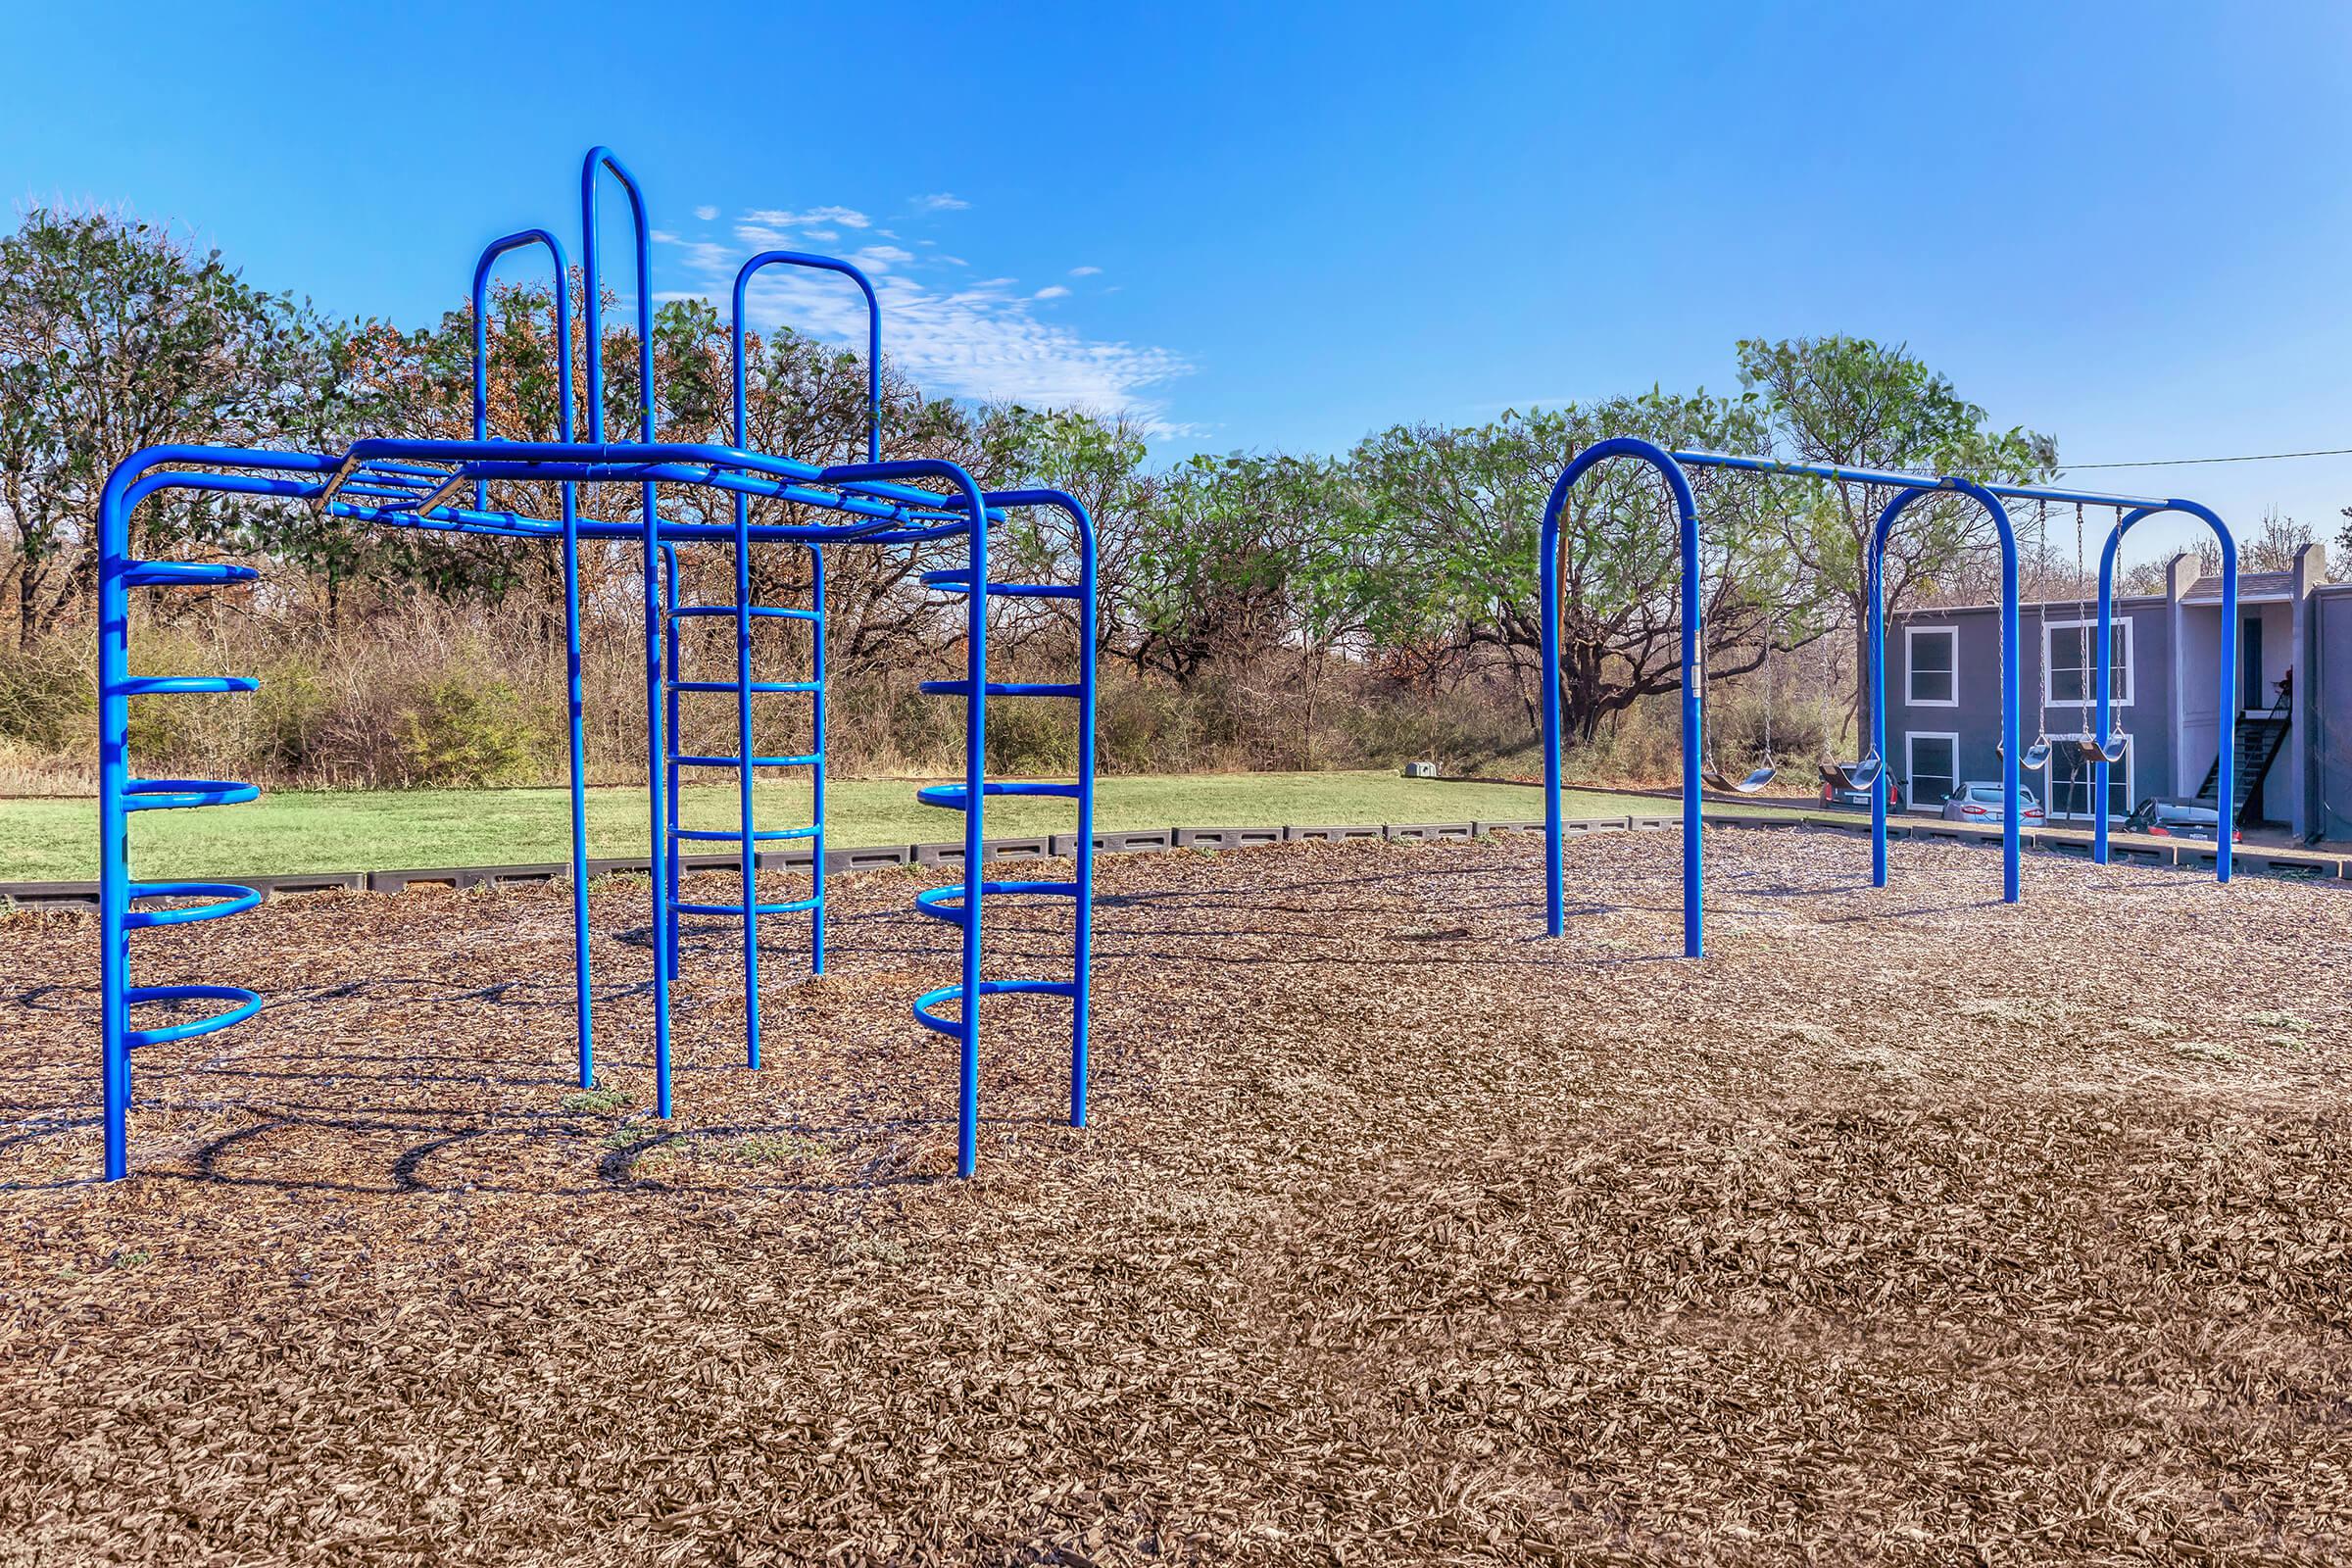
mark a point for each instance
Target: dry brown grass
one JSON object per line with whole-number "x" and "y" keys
{"x": 1900, "y": 1229}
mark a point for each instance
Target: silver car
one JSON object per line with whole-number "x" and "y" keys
{"x": 1980, "y": 801}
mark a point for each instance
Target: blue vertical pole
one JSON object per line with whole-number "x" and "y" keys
{"x": 2012, "y": 761}
{"x": 975, "y": 836}
{"x": 2224, "y": 833}
{"x": 2099, "y": 768}
{"x": 1084, "y": 936}
{"x": 1879, "y": 787}
{"x": 1693, "y": 636}
{"x": 114, "y": 849}
{"x": 817, "y": 775}
{"x": 602, "y": 158}
{"x": 1548, "y": 579}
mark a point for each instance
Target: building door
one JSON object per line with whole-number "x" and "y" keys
{"x": 2249, "y": 665}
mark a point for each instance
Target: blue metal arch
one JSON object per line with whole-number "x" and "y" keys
{"x": 1549, "y": 575}
{"x": 575, "y": 689}
{"x": 2011, "y": 829}
{"x": 2227, "y": 693}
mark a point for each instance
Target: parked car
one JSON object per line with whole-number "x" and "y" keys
{"x": 1837, "y": 795}
{"x": 1980, "y": 801}
{"x": 2171, "y": 817}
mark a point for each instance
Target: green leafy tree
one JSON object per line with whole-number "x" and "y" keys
{"x": 1855, "y": 403}
{"x": 115, "y": 334}
{"x": 1451, "y": 526}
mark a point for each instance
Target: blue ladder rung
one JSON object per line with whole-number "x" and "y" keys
{"x": 796, "y": 906}
{"x": 958, "y": 797}
{"x": 170, "y": 794}
{"x": 758, "y": 761}
{"x": 181, "y": 685}
{"x": 987, "y": 988}
{"x": 959, "y": 579}
{"x": 1004, "y": 688}
{"x": 728, "y": 835}
{"x": 248, "y": 1003}
{"x": 749, "y": 686}
{"x": 757, "y": 610}
{"x": 184, "y": 574}
{"x": 235, "y": 900}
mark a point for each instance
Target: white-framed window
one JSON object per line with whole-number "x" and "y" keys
{"x": 2071, "y": 782}
{"x": 1932, "y": 666}
{"x": 1931, "y": 766}
{"x": 2070, "y": 663}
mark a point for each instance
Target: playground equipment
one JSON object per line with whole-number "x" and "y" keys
{"x": 1869, "y": 772}
{"x": 421, "y": 484}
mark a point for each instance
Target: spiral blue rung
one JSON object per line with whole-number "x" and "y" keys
{"x": 231, "y": 897}
{"x": 248, "y": 1003}
{"x": 956, "y": 797}
{"x": 444, "y": 485}
{"x": 176, "y": 794}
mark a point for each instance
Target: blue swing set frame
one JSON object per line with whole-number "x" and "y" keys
{"x": 421, "y": 483}
{"x": 1673, "y": 468}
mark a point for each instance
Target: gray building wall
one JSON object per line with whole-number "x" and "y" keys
{"x": 2320, "y": 710}
{"x": 1977, "y": 719}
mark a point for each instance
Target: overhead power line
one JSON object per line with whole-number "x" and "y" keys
{"x": 2183, "y": 462}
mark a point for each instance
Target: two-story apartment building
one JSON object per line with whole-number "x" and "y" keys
{"x": 1943, "y": 698}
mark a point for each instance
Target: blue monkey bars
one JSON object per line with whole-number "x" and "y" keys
{"x": 425, "y": 484}
{"x": 1871, "y": 773}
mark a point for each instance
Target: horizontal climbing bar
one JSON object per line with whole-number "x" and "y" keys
{"x": 728, "y": 835}
{"x": 808, "y": 761}
{"x": 184, "y": 575}
{"x": 181, "y": 685}
{"x": 1005, "y": 688}
{"x": 755, "y": 686}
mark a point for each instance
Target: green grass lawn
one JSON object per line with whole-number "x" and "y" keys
{"x": 56, "y": 840}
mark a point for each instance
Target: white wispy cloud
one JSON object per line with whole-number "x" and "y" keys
{"x": 706, "y": 213}
{"x": 981, "y": 340}
{"x": 1084, "y": 272}
{"x": 940, "y": 202}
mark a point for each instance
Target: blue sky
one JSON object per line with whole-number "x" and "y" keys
{"x": 1271, "y": 227}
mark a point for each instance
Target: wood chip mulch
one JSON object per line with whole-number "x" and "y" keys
{"x": 1907, "y": 1227}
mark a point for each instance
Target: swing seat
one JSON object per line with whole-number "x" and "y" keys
{"x": 2036, "y": 759}
{"x": 1750, "y": 785}
{"x": 2095, "y": 752}
{"x": 1861, "y": 777}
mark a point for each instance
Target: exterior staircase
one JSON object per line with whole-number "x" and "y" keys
{"x": 2261, "y": 737}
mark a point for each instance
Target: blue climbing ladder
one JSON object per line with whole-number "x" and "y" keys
{"x": 747, "y": 836}
{"x": 120, "y": 793}
{"x": 961, "y": 904}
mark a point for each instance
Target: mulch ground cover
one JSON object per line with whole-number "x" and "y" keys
{"x": 1906, "y": 1227}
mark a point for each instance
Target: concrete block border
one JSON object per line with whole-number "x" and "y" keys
{"x": 2300, "y": 864}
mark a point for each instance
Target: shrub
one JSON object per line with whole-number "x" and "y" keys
{"x": 462, "y": 732}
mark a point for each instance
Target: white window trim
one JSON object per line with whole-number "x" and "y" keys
{"x": 1911, "y": 740}
{"x": 2126, "y": 766}
{"x": 2091, "y": 629}
{"x": 1911, "y": 697}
